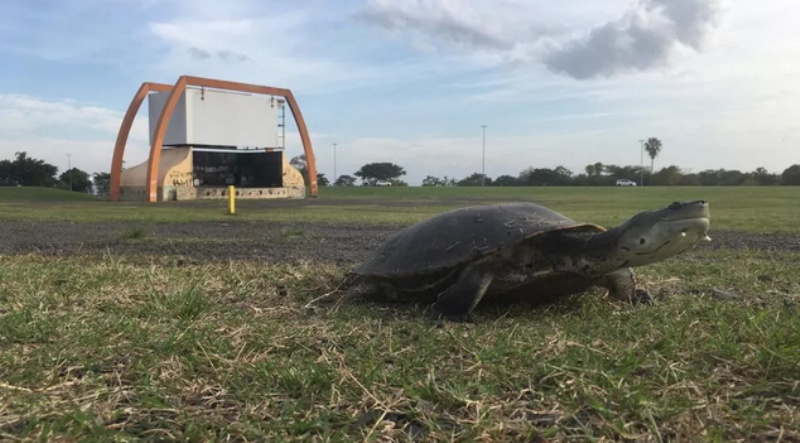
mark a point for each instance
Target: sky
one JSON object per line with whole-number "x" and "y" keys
{"x": 413, "y": 82}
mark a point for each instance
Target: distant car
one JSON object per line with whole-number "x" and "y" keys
{"x": 383, "y": 183}
{"x": 625, "y": 182}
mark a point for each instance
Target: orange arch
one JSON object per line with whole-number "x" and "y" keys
{"x": 151, "y": 190}
{"x": 125, "y": 130}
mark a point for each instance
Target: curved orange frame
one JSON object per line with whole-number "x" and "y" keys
{"x": 151, "y": 190}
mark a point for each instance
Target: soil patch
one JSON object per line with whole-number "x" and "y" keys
{"x": 269, "y": 242}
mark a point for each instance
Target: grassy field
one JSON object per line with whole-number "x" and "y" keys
{"x": 153, "y": 348}
{"x": 762, "y": 209}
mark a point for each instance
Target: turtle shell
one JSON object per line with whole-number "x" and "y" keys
{"x": 453, "y": 238}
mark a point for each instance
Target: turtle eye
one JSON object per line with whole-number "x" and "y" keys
{"x": 642, "y": 241}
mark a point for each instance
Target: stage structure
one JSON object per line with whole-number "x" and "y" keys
{"x": 207, "y": 134}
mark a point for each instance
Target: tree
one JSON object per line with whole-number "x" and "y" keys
{"x": 732, "y": 177}
{"x": 346, "y": 180}
{"x": 373, "y": 172}
{"x": 669, "y": 176}
{"x": 299, "y": 162}
{"x": 762, "y": 177}
{"x": 616, "y": 172}
{"x": 101, "y": 182}
{"x": 322, "y": 180}
{"x": 545, "y": 176}
{"x": 564, "y": 173}
{"x": 653, "y": 147}
{"x": 709, "y": 177}
{"x": 594, "y": 174}
{"x": 476, "y": 179}
{"x": 7, "y": 175}
{"x": 27, "y": 171}
{"x": 75, "y": 180}
{"x": 791, "y": 176}
{"x": 505, "y": 180}
{"x": 432, "y": 181}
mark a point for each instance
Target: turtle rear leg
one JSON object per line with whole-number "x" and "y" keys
{"x": 373, "y": 290}
{"x": 621, "y": 285}
{"x": 458, "y": 300}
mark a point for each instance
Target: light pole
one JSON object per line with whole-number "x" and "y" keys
{"x": 334, "y": 164}
{"x": 69, "y": 174}
{"x": 641, "y": 163}
{"x": 483, "y": 164}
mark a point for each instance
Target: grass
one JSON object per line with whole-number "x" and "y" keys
{"x": 157, "y": 348}
{"x": 762, "y": 209}
{"x": 35, "y": 194}
{"x": 113, "y": 349}
{"x": 134, "y": 233}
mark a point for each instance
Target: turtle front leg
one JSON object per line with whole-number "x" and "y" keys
{"x": 621, "y": 285}
{"x": 457, "y": 301}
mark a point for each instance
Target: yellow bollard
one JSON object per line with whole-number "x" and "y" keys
{"x": 231, "y": 200}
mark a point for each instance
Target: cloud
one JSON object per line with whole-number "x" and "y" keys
{"x": 693, "y": 20}
{"x": 48, "y": 130}
{"x": 224, "y": 55}
{"x": 21, "y": 114}
{"x": 198, "y": 54}
{"x": 641, "y": 38}
{"x": 454, "y": 23}
{"x": 232, "y": 57}
{"x": 644, "y": 38}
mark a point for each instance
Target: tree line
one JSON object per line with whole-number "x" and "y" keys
{"x": 599, "y": 174}
{"x": 595, "y": 174}
{"x": 28, "y": 171}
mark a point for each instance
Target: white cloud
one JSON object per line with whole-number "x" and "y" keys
{"x": 22, "y": 114}
{"x": 459, "y": 24}
{"x": 264, "y": 50}
{"x": 49, "y": 130}
{"x": 642, "y": 37}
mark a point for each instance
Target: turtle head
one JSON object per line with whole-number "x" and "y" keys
{"x": 656, "y": 235}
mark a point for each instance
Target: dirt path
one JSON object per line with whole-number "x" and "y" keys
{"x": 269, "y": 242}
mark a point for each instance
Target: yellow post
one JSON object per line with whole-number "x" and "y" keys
{"x": 231, "y": 200}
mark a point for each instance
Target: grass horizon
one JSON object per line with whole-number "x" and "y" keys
{"x": 759, "y": 209}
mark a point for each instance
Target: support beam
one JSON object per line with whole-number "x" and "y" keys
{"x": 151, "y": 185}
{"x": 124, "y": 132}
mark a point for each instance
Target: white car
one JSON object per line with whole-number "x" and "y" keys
{"x": 625, "y": 182}
{"x": 383, "y": 183}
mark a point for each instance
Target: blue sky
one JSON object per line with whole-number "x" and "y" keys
{"x": 412, "y": 81}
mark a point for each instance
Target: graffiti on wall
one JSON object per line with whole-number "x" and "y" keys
{"x": 180, "y": 178}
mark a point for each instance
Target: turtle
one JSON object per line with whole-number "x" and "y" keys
{"x": 522, "y": 251}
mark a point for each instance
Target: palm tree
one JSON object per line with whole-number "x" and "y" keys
{"x": 653, "y": 147}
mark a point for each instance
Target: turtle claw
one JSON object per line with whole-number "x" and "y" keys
{"x": 439, "y": 319}
{"x": 642, "y": 296}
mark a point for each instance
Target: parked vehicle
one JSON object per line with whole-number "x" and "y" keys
{"x": 625, "y": 182}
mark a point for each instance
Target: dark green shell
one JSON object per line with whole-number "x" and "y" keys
{"x": 454, "y": 238}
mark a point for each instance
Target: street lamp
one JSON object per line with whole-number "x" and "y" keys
{"x": 641, "y": 163}
{"x": 483, "y": 165}
{"x": 334, "y": 164}
{"x": 69, "y": 174}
